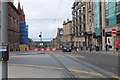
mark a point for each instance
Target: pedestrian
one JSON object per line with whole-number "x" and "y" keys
{"x": 90, "y": 47}
{"x": 117, "y": 46}
{"x": 81, "y": 48}
{"x": 106, "y": 47}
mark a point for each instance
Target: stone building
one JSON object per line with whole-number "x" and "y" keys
{"x": 58, "y": 40}
{"x": 90, "y": 33}
{"x": 67, "y": 31}
{"x": 23, "y": 28}
{"x": 112, "y": 21}
{"x": 14, "y": 18}
{"x": 59, "y": 37}
{"x": 93, "y": 22}
{"x": 13, "y": 27}
{"x": 31, "y": 43}
{"x": 79, "y": 24}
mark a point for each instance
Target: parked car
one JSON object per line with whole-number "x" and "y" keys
{"x": 67, "y": 48}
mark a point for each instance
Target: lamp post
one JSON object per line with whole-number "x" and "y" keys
{"x": 4, "y": 40}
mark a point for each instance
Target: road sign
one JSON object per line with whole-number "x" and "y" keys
{"x": 113, "y": 31}
{"x": 41, "y": 44}
{"x": 3, "y": 47}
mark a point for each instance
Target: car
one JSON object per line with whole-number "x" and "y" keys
{"x": 67, "y": 48}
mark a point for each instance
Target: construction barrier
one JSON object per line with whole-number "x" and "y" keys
{"x": 39, "y": 49}
{"x": 51, "y": 49}
{"x": 56, "y": 49}
{"x": 45, "y": 49}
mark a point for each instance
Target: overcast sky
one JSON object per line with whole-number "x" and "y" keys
{"x": 45, "y": 16}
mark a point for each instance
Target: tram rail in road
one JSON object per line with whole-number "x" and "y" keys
{"x": 73, "y": 77}
{"x": 97, "y": 69}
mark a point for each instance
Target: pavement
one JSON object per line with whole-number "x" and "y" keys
{"x": 30, "y": 52}
{"x": 112, "y": 53}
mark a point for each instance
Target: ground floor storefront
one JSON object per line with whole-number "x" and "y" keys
{"x": 112, "y": 42}
{"x": 14, "y": 47}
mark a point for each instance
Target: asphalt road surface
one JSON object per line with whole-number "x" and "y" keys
{"x": 50, "y": 65}
{"x": 104, "y": 61}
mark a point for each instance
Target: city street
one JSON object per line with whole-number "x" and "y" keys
{"x": 59, "y": 65}
{"x": 60, "y": 39}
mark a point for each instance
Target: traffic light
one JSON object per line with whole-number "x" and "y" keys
{"x": 40, "y": 36}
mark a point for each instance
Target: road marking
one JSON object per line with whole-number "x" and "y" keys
{"x": 117, "y": 77}
{"x": 78, "y": 56}
{"x": 58, "y": 68}
{"x": 87, "y": 72}
{"x": 36, "y": 66}
{"x": 113, "y": 68}
{"x": 82, "y": 57}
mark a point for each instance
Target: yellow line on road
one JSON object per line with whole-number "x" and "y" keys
{"x": 58, "y": 68}
{"x": 117, "y": 77}
{"x": 36, "y": 66}
{"x": 87, "y": 72}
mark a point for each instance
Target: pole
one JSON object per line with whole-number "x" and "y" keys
{"x": 41, "y": 41}
{"x": 4, "y": 36}
{"x": 114, "y": 44}
{"x": 41, "y": 36}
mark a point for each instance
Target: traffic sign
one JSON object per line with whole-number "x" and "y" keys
{"x": 41, "y": 44}
{"x": 113, "y": 31}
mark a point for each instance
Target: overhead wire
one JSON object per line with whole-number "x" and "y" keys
{"x": 60, "y": 1}
{"x": 56, "y": 14}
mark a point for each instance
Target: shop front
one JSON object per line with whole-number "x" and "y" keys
{"x": 117, "y": 40}
{"x": 111, "y": 41}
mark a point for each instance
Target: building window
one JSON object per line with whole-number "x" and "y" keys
{"x": 79, "y": 11}
{"x": 80, "y": 28}
{"x": 118, "y": 19}
{"x": 111, "y": 7}
{"x": 84, "y": 27}
{"x": 106, "y": 21}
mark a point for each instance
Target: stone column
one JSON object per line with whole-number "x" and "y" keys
{"x": 103, "y": 24}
